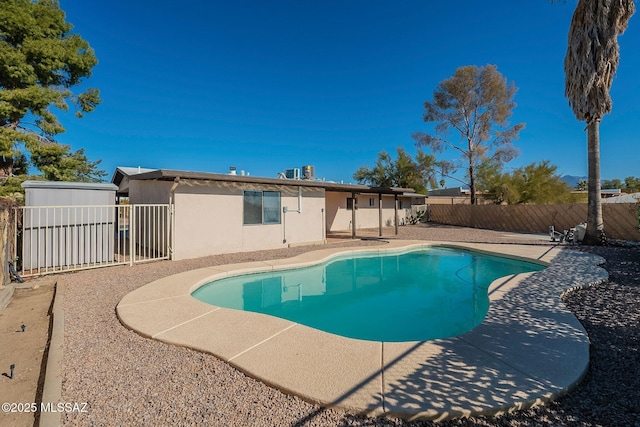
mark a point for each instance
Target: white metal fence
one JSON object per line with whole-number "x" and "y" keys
{"x": 52, "y": 239}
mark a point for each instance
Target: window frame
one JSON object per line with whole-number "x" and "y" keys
{"x": 272, "y": 211}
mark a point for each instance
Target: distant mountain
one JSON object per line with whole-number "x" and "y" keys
{"x": 572, "y": 180}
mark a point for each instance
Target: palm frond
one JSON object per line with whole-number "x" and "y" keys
{"x": 593, "y": 55}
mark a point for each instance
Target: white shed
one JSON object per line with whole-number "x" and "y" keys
{"x": 59, "y": 214}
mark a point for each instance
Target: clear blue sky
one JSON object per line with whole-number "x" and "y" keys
{"x": 269, "y": 85}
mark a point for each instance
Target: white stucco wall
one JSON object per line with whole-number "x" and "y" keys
{"x": 149, "y": 192}
{"x": 209, "y": 220}
{"x": 339, "y": 218}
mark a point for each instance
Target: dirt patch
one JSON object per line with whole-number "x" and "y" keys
{"x": 25, "y": 347}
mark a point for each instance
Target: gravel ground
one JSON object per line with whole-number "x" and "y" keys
{"x": 130, "y": 380}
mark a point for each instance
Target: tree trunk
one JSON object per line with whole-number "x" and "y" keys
{"x": 472, "y": 186}
{"x": 595, "y": 225}
{"x": 6, "y": 166}
{"x": 472, "y": 178}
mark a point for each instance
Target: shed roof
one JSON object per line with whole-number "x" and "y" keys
{"x": 175, "y": 175}
{"x": 70, "y": 185}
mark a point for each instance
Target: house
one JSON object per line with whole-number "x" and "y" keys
{"x": 121, "y": 178}
{"x": 623, "y": 198}
{"x": 217, "y": 213}
{"x": 606, "y": 193}
{"x": 449, "y": 196}
{"x": 454, "y": 196}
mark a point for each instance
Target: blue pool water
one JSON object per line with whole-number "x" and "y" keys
{"x": 411, "y": 296}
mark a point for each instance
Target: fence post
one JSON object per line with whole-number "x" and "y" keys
{"x": 5, "y": 217}
{"x": 132, "y": 233}
{"x": 172, "y": 229}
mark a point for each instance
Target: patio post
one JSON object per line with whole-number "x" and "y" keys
{"x": 395, "y": 211}
{"x": 380, "y": 214}
{"x": 354, "y": 204}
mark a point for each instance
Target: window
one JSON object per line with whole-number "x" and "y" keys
{"x": 372, "y": 202}
{"x": 261, "y": 207}
{"x": 252, "y": 207}
{"x": 271, "y": 207}
{"x": 350, "y": 203}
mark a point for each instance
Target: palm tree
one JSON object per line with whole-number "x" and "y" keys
{"x": 590, "y": 65}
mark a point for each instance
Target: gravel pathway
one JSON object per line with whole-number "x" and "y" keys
{"x": 130, "y": 380}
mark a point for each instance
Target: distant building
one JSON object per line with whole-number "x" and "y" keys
{"x": 452, "y": 196}
{"x": 604, "y": 193}
{"x": 623, "y": 198}
{"x": 121, "y": 178}
{"x": 610, "y": 193}
{"x": 450, "y": 192}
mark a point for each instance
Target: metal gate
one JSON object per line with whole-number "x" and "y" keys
{"x": 53, "y": 239}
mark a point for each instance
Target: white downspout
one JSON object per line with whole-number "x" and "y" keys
{"x": 299, "y": 210}
{"x": 172, "y": 200}
{"x": 172, "y": 194}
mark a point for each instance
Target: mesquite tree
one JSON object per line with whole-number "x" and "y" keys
{"x": 475, "y": 103}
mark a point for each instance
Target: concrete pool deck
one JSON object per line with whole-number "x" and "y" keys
{"x": 529, "y": 349}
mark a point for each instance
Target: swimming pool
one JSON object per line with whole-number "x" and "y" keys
{"x": 415, "y": 295}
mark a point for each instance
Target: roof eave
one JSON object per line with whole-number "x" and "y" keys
{"x": 171, "y": 175}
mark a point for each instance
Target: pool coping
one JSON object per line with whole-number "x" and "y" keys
{"x": 528, "y": 350}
